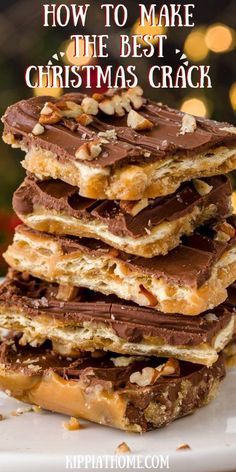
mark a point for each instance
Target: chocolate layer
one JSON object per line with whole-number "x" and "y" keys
{"x": 103, "y": 367}
{"x": 61, "y": 197}
{"x": 35, "y": 297}
{"x": 164, "y": 139}
{"x": 99, "y": 382}
{"x": 189, "y": 264}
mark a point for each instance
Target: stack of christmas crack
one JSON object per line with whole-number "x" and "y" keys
{"x": 116, "y": 296}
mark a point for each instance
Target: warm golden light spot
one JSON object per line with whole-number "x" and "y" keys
{"x": 232, "y": 95}
{"x": 82, "y": 59}
{"x": 219, "y": 38}
{"x": 195, "y": 106}
{"x": 45, "y": 90}
{"x": 148, "y": 29}
{"x": 195, "y": 46}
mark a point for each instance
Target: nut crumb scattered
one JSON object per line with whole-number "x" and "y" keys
{"x": 211, "y": 317}
{"x": 224, "y": 232}
{"x": 84, "y": 119}
{"x": 183, "y": 447}
{"x": 150, "y": 375}
{"x": 38, "y": 129}
{"x": 89, "y": 151}
{"x": 202, "y": 187}
{"x": 123, "y": 448}
{"x": 73, "y": 424}
{"x": 21, "y": 411}
{"x": 123, "y": 361}
{"x": 189, "y": 124}
{"x": 108, "y": 135}
{"x": 37, "y": 409}
{"x": 138, "y": 122}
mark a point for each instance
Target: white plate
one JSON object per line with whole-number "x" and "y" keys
{"x": 38, "y": 442}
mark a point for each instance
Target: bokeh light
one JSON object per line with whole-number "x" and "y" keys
{"x": 148, "y": 29}
{"x": 52, "y": 91}
{"x": 195, "y": 106}
{"x": 70, "y": 58}
{"x": 195, "y": 46}
{"x": 232, "y": 95}
{"x": 219, "y": 38}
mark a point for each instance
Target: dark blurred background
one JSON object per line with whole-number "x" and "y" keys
{"x": 24, "y": 41}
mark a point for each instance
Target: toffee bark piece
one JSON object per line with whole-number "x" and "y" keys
{"x": 98, "y": 390}
{"x": 94, "y": 322}
{"x": 190, "y": 279}
{"x": 130, "y": 164}
{"x": 146, "y": 228}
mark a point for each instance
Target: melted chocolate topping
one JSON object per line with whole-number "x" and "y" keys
{"x": 35, "y": 297}
{"x": 163, "y": 140}
{"x": 188, "y": 264}
{"x": 61, "y": 197}
{"x": 91, "y": 369}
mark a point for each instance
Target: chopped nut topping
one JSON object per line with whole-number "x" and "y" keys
{"x": 1, "y": 417}
{"x": 89, "y": 106}
{"x": 189, "y": 124}
{"x": 123, "y": 361}
{"x": 135, "y": 96}
{"x": 84, "y": 119}
{"x": 211, "y": 317}
{"x": 150, "y": 375}
{"x": 225, "y": 232}
{"x": 107, "y": 106}
{"x": 123, "y": 448}
{"x": 183, "y": 447}
{"x": 138, "y": 122}
{"x": 38, "y": 129}
{"x": 89, "y": 151}
{"x": 121, "y": 103}
{"x": 70, "y": 109}
{"x": 44, "y": 301}
{"x": 108, "y": 135}
{"x": 202, "y": 187}
{"x": 73, "y": 424}
{"x": 50, "y": 114}
{"x": 171, "y": 367}
{"x": 47, "y": 108}
{"x": 229, "y": 129}
{"x": 67, "y": 292}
